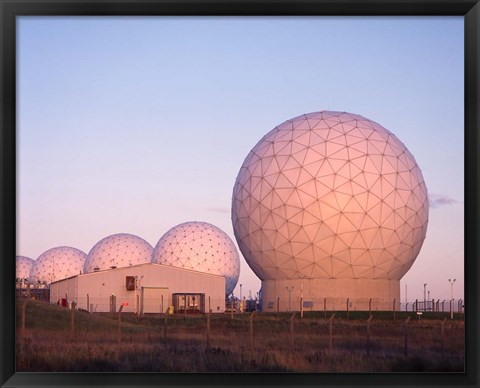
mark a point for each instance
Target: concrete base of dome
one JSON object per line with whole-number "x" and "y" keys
{"x": 332, "y": 294}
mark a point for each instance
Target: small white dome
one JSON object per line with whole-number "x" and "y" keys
{"x": 201, "y": 247}
{"x": 23, "y": 267}
{"x": 116, "y": 251}
{"x": 56, "y": 264}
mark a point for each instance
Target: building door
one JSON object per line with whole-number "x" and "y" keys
{"x": 189, "y": 303}
{"x": 154, "y": 300}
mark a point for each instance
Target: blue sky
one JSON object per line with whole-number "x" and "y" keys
{"x": 137, "y": 124}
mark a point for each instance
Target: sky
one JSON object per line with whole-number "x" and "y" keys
{"x": 137, "y": 124}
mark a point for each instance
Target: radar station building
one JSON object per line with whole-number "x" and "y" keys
{"x": 143, "y": 288}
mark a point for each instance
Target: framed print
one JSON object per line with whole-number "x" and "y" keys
{"x": 239, "y": 193}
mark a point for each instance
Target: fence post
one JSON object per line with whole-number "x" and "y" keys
{"x": 161, "y": 308}
{"x": 368, "y": 335}
{"x": 292, "y": 330}
{"x": 325, "y": 308}
{"x": 88, "y": 303}
{"x": 370, "y": 307}
{"x": 348, "y": 300}
{"x": 22, "y": 334}
{"x": 72, "y": 322}
{"x": 208, "y": 329}
{"x": 416, "y": 305}
{"x": 394, "y": 308}
{"x": 251, "y": 328}
{"x": 443, "y": 334}
{"x": 278, "y": 305}
{"x": 301, "y": 307}
{"x": 209, "y": 307}
{"x": 406, "y": 337}
{"x": 459, "y": 308}
{"x": 330, "y": 334}
{"x": 165, "y": 327}
{"x": 120, "y": 323}
{"x": 451, "y": 309}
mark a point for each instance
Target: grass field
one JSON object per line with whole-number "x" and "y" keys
{"x": 94, "y": 343}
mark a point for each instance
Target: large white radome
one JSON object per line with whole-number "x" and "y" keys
{"x": 201, "y": 247}
{"x": 330, "y": 195}
{"x": 56, "y": 264}
{"x": 116, "y": 251}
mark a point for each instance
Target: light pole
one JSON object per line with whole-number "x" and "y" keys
{"x": 452, "y": 282}
{"x": 241, "y": 301}
{"x": 301, "y": 298}
{"x": 406, "y": 297}
{"x": 424, "y": 296}
{"x": 289, "y": 289}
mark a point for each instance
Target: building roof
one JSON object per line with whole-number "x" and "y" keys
{"x": 137, "y": 267}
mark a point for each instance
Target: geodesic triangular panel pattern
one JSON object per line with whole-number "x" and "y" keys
{"x": 56, "y": 264}
{"x": 201, "y": 247}
{"x": 116, "y": 251}
{"x": 23, "y": 267}
{"x": 330, "y": 195}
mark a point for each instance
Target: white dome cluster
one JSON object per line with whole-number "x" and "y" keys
{"x": 23, "y": 267}
{"x": 330, "y": 195}
{"x": 201, "y": 247}
{"x": 118, "y": 250}
{"x": 56, "y": 264}
{"x": 198, "y": 246}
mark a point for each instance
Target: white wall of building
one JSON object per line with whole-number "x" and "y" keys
{"x": 64, "y": 289}
{"x": 332, "y": 294}
{"x": 93, "y": 291}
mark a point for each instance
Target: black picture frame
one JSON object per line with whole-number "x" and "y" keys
{"x": 9, "y": 9}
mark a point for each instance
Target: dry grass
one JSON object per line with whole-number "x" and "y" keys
{"x": 96, "y": 348}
